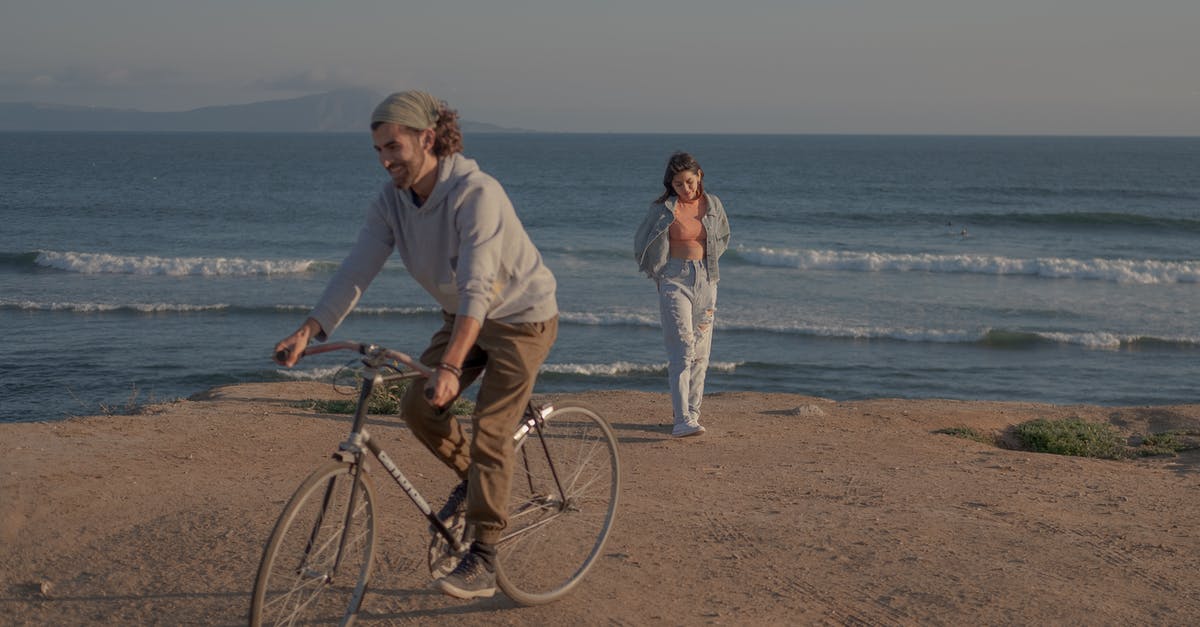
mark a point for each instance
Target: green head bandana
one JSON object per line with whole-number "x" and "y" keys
{"x": 414, "y": 109}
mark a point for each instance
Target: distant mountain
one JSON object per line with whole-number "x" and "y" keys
{"x": 345, "y": 110}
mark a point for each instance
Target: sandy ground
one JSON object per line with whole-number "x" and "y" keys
{"x": 791, "y": 510}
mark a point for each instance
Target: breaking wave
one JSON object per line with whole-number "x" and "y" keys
{"x": 104, "y": 263}
{"x": 1142, "y": 271}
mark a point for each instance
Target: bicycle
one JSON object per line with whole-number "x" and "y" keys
{"x": 318, "y": 560}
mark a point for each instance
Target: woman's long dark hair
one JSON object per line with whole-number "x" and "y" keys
{"x": 680, "y": 162}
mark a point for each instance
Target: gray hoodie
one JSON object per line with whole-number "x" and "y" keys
{"x": 465, "y": 245}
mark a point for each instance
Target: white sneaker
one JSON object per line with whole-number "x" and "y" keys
{"x": 686, "y": 429}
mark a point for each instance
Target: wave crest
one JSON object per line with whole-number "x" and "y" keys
{"x": 1141, "y": 271}
{"x": 103, "y": 263}
{"x": 609, "y": 318}
{"x": 987, "y": 337}
{"x": 87, "y": 307}
{"x": 623, "y": 368}
{"x": 311, "y": 374}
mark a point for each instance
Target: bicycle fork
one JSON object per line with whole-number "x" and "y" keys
{"x": 351, "y": 452}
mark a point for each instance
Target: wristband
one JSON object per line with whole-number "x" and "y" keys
{"x": 451, "y": 368}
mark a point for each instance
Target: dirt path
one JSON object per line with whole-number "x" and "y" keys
{"x": 791, "y": 510}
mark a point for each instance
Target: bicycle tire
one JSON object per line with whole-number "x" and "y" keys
{"x": 553, "y": 537}
{"x": 296, "y": 581}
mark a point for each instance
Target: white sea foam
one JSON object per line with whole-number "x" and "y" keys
{"x": 311, "y": 374}
{"x": 610, "y": 318}
{"x": 86, "y": 307}
{"x": 367, "y": 311}
{"x": 103, "y": 263}
{"x": 1100, "y": 340}
{"x": 614, "y": 369}
{"x": 1111, "y": 341}
{"x": 1144, "y": 271}
{"x": 403, "y": 311}
{"x": 90, "y": 307}
{"x": 907, "y": 334}
{"x": 622, "y": 368}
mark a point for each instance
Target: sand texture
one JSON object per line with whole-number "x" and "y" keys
{"x": 790, "y": 510}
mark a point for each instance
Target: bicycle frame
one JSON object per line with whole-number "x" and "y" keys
{"x": 359, "y": 442}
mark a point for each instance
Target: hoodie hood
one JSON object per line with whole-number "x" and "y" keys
{"x": 452, "y": 172}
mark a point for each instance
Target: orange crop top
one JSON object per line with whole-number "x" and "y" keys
{"x": 686, "y": 234}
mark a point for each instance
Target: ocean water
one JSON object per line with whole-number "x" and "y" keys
{"x": 146, "y": 267}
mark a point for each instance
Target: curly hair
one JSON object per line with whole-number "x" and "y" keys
{"x": 447, "y": 136}
{"x": 680, "y": 162}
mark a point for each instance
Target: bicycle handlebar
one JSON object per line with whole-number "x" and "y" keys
{"x": 362, "y": 349}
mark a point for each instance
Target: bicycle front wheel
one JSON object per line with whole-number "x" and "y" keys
{"x": 316, "y": 565}
{"x": 564, "y": 497}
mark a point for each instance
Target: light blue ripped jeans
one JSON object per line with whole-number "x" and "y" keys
{"x": 687, "y": 301}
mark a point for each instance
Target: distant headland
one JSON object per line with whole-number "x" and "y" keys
{"x": 337, "y": 111}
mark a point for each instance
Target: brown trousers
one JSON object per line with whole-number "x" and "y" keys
{"x": 513, "y": 353}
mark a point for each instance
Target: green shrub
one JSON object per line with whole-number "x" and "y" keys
{"x": 1168, "y": 443}
{"x": 1071, "y": 436}
{"x": 1077, "y": 437}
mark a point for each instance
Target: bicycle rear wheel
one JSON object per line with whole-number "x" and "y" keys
{"x": 562, "y": 504}
{"x": 316, "y": 565}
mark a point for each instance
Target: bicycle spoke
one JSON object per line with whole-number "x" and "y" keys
{"x": 564, "y": 497}
{"x": 320, "y": 584}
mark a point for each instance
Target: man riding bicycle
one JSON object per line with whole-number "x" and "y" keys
{"x": 460, "y": 238}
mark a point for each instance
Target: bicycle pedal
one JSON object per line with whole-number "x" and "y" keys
{"x": 442, "y": 558}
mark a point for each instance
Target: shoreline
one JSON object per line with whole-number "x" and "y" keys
{"x": 791, "y": 509}
{"x": 152, "y": 404}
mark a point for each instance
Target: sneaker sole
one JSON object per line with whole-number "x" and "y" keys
{"x": 459, "y": 593}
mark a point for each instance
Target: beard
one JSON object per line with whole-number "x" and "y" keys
{"x": 405, "y": 176}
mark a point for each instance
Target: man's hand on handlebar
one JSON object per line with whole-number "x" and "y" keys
{"x": 289, "y": 350}
{"x": 441, "y": 389}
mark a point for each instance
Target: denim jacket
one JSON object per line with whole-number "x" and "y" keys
{"x": 651, "y": 246}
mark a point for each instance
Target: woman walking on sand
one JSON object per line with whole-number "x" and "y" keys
{"x": 678, "y": 245}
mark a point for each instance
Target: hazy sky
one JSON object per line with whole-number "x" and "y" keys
{"x": 774, "y": 66}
